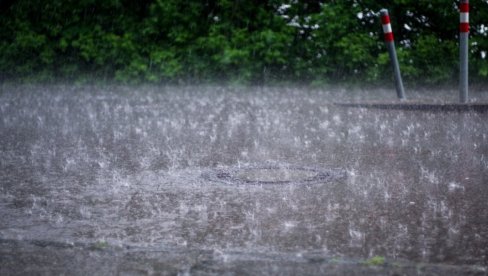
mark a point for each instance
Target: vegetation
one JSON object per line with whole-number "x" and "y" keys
{"x": 375, "y": 261}
{"x": 243, "y": 41}
{"x": 99, "y": 245}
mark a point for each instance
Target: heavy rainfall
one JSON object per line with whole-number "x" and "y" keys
{"x": 121, "y": 173}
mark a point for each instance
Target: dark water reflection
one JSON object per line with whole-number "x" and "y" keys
{"x": 124, "y": 165}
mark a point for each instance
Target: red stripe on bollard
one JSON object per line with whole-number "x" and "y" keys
{"x": 389, "y": 37}
{"x": 464, "y": 7}
{"x": 464, "y": 27}
{"x": 385, "y": 19}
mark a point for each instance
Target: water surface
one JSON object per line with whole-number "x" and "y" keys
{"x": 121, "y": 167}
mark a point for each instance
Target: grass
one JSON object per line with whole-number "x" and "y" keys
{"x": 375, "y": 261}
{"x": 100, "y": 245}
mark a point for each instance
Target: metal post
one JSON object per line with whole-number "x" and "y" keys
{"x": 463, "y": 50}
{"x": 390, "y": 44}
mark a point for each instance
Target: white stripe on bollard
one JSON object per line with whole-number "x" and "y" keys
{"x": 387, "y": 28}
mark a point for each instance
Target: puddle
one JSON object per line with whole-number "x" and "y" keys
{"x": 273, "y": 174}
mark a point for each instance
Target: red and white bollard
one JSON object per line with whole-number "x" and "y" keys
{"x": 390, "y": 44}
{"x": 463, "y": 50}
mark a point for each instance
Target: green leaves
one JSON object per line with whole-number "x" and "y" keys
{"x": 431, "y": 58}
{"x": 245, "y": 41}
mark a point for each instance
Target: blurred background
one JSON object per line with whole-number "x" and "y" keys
{"x": 235, "y": 41}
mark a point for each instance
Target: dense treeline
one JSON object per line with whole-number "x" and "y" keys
{"x": 234, "y": 40}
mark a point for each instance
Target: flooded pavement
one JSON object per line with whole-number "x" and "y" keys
{"x": 116, "y": 180}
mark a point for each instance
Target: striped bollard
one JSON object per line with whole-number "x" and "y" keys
{"x": 390, "y": 44}
{"x": 463, "y": 50}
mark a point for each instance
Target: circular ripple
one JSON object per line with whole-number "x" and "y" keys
{"x": 267, "y": 174}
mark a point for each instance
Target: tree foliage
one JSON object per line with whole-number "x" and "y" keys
{"x": 244, "y": 41}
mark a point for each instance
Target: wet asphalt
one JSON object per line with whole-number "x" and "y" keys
{"x": 113, "y": 179}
